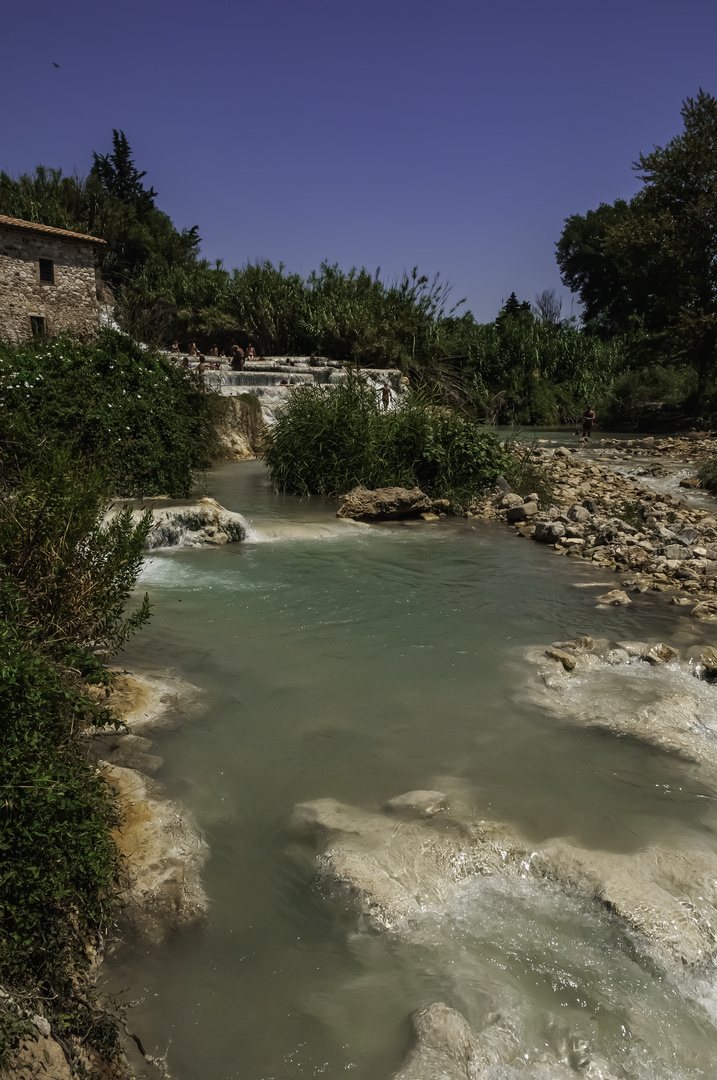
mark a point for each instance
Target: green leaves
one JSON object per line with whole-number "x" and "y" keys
{"x": 331, "y": 439}
{"x": 65, "y": 573}
{"x": 147, "y": 423}
{"x": 652, "y": 262}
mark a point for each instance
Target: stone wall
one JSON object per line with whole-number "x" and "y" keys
{"x": 69, "y": 305}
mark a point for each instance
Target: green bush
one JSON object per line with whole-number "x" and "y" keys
{"x": 58, "y": 862}
{"x": 648, "y": 396}
{"x": 708, "y": 475}
{"x": 137, "y": 415}
{"x": 73, "y": 571}
{"x": 65, "y": 577}
{"x": 331, "y": 439}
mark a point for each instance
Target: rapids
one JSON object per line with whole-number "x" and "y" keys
{"x": 354, "y": 662}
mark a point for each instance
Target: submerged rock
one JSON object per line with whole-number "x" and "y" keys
{"x": 163, "y": 857}
{"x": 418, "y": 804}
{"x": 384, "y": 504}
{"x": 615, "y": 597}
{"x": 388, "y": 871}
{"x": 447, "y": 1048}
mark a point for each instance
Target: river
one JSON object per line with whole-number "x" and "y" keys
{"x": 359, "y": 662}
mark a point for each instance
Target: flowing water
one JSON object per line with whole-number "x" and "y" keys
{"x": 359, "y": 662}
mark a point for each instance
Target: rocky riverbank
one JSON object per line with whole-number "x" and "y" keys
{"x": 162, "y": 850}
{"x": 653, "y": 539}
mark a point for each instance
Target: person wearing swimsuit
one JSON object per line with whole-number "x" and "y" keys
{"x": 588, "y": 421}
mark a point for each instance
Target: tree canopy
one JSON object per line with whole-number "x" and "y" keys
{"x": 652, "y": 262}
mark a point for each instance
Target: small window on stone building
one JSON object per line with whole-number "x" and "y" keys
{"x": 37, "y": 324}
{"x": 47, "y": 271}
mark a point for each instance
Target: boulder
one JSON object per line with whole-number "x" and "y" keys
{"x": 511, "y": 500}
{"x": 548, "y": 532}
{"x": 520, "y": 513}
{"x": 690, "y": 482}
{"x": 184, "y": 523}
{"x": 384, "y": 504}
{"x": 578, "y": 513}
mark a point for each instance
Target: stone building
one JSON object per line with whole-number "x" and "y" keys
{"x": 47, "y": 281}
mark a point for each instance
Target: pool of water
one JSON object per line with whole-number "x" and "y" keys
{"x": 360, "y": 662}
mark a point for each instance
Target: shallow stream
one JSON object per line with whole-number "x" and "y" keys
{"x": 359, "y": 662}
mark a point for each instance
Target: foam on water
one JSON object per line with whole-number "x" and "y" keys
{"x": 571, "y": 972}
{"x": 287, "y": 530}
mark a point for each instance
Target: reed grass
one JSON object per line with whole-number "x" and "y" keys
{"x": 331, "y": 439}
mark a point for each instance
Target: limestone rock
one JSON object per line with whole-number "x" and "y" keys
{"x": 705, "y": 659}
{"x": 511, "y": 500}
{"x": 389, "y": 870}
{"x": 163, "y": 857}
{"x": 705, "y": 612}
{"x": 242, "y": 430}
{"x": 563, "y": 658}
{"x": 659, "y": 653}
{"x": 616, "y": 597}
{"x": 384, "y": 504}
{"x": 575, "y": 645}
{"x": 185, "y": 523}
{"x": 418, "y": 804}
{"x": 676, "y": 552}
{"x": 447, "y": 1048}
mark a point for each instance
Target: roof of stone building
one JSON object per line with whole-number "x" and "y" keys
{"x": 48, "y": 230}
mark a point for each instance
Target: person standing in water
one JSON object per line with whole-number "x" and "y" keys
{"x": 588, "y": 421}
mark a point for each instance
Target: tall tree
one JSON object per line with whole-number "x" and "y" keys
{"x": 590, "y": 268}
{"x": 120, "y": 177}
{"x": 669, "y": 244}
{"x": 653, "y": 261}
{"x": 516, "y": 309}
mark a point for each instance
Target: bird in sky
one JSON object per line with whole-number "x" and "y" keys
{"x": 54, "y": 64}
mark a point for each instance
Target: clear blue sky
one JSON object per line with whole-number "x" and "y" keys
{"x": 455, "y": 136}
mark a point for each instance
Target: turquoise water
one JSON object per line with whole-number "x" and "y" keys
{"x": 360, "y": 662}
